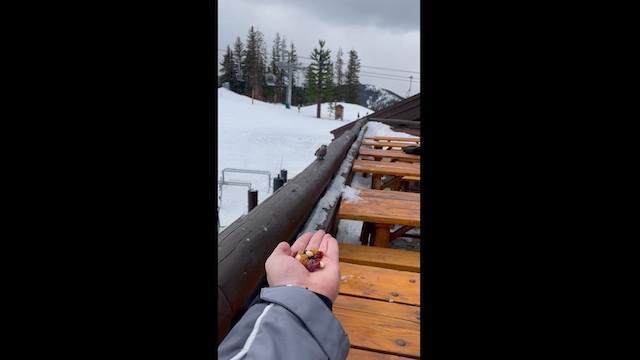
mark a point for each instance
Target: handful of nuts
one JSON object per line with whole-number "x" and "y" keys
{"x": 310, "y": 259}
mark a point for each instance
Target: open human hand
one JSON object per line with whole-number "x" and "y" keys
{"x": 283, "y": 269}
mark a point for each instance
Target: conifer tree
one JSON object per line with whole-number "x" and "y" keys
{"x": 339, "y": 76}
{"x": 255, "y": 63}
{"x": 238, "y": 58}
{"x": 228, "y": 69}
{"x": 352, "y": 78}
{"x": 320, "y": 76}
{"x": 276, "y": 56}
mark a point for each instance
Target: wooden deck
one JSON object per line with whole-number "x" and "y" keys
{"x": 379, "y": 302}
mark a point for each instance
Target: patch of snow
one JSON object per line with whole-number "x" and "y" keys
{"x": 350, "y": 194}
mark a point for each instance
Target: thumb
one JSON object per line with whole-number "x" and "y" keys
{"x": 283, "y": 248}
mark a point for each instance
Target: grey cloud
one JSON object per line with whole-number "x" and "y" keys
{"x": 400, "y": 15}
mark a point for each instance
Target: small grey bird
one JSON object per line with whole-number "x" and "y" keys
{"x": 321, "y": 152}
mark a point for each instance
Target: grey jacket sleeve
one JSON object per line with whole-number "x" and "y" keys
{"x": 293, "y": 323}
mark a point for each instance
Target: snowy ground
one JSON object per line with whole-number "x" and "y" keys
{"x": 269, "y": 137}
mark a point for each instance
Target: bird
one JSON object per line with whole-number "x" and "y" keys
{"x": 321, "y": 152}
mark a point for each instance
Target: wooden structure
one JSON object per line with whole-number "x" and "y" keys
{"x": 379, "y": 168}
{"x": 339, "y": 112}
{"x": 380, "y": 211}
{"x": 379, "y": 302}
{"x": 403, "y": 116}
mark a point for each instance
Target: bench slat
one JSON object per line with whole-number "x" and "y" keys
{"x": 358, "y": 354}
{"x": 392, "y": 154}
{"x": 381, "y": 211}
{"x": 375, "y": 332}
{"x": 396, "y": 259}
{"x": 386, "y": 168}
{"x": 387, "y": 143}
{"x": 379, "y": 284}
{"x": 388, "y": 194}
{"x": 393, "y": 138}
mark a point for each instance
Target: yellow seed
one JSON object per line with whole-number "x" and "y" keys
{"x": 298, "y": 257}
{"x": 303, "y": 257}
{"x": 309, "y": 253}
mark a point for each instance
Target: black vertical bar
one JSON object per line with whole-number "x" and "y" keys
{"x": 253, "y": 199}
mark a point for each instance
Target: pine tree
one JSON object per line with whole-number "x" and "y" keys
{"x": 276, "y": 56}
{"x": 255, "y": 63}
{"x": 339, "y": 76}
{"x": 228, "y": 69}
{"x": 352, "y": 78}
{"x": 320, "y": 77}
{"x": 238, "y": 59}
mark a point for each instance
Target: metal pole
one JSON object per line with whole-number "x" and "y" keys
{"x": 289, "y": 87}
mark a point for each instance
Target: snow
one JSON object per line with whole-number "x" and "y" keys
{"x": 268, "y": 137}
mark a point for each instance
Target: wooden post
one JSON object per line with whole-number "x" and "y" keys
{"x": 381, "y": 235}
{"x": 253, "y": 199}
{"x": 277, "y": 183}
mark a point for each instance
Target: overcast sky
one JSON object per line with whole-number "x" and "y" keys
{"x": 385, "y": 33}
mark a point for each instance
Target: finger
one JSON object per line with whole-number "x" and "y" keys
{"x": 283, "y": 248}
{"x": 301, "y": 243}
{"x": 333, "y": 251}
{"x": 325, "y": 241}
{"x": 314, "y": 243}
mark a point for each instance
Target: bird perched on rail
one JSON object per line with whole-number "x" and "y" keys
{"x": 321, "y": 152}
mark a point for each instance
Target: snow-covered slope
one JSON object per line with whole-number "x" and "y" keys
{"x": 377, "y": 99}
{"x": 267, "y": 137}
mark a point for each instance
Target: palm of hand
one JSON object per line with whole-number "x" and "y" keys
{"x": 283, "y": 269}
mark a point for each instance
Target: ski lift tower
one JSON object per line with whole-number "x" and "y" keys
{"x": 289, "y": 66}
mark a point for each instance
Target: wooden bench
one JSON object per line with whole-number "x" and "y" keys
{"x": 379, "y": 154}
{"x": 380, "y": 311}
{"x": 379, "y": 168}
{"x": 380, "y": 211}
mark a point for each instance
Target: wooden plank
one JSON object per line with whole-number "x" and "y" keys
{"x": 386, "y": 168}
{"x": 387, "y": 194}
{"x": 381, "y": 308}
{"x": 381, "y": 211}
{"x": 379, "y": 333}
{"x": 357, "y": 354}
{"x": 393, "y": 138}
{"x": 387, "y": 143}
{"x": 377, "y": 283}
{"x": 379, "y": 154}
{"x": 404, "y": 260}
